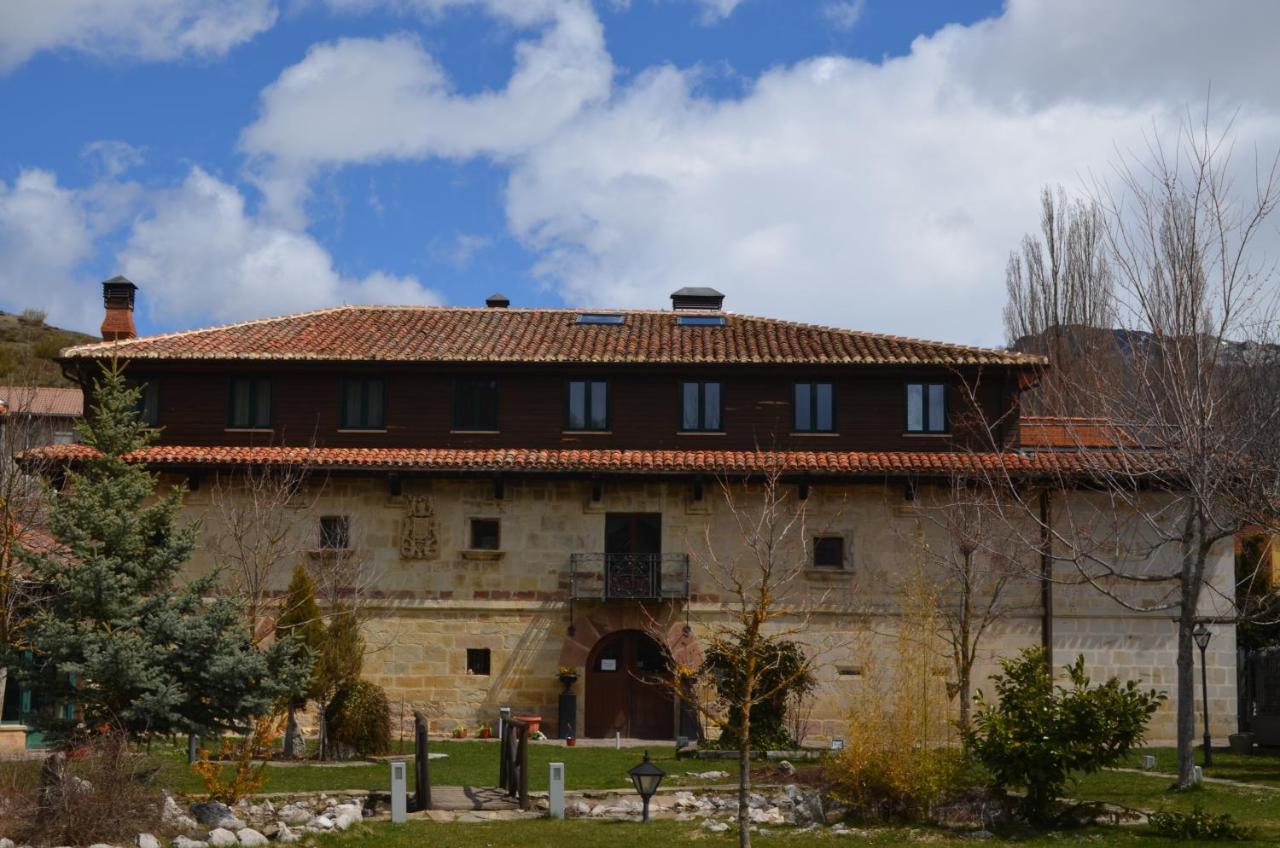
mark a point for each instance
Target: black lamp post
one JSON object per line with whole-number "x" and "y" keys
{"x": 1202, "y": 635}
{"x": 646, "y": 777}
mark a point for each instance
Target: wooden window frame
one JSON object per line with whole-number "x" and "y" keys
{"x": 458, "y": 424}
{"x": 586, "y": 401}
{"x": 252, "y": 424}
{"x": 925, "y": 430}
{"x": 844, "y": 554}
{"x": 702, "y": 406}
{"x": 362, "y": 385}
{"x": 813, "y": 407}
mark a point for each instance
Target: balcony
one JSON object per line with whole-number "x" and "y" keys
{"x": 628, "y": 577}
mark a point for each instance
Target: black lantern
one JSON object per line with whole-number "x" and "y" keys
{"x": 1202, "y": 635}
{"x": 646, "y": 777}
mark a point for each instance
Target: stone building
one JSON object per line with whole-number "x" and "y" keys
{"x": 524, "y": 490}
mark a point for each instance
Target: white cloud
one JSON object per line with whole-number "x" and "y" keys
{"x": 882, "y": 196}
{"x": 360, "y": 100}
{"x": 717, "y": 10}
{"x": 199, "y": 255}
{"x": 843, "y": 14}
{"x": 135, "y": 29}
{"x": 112, "y": 158}
{"x": 48, "y": 233}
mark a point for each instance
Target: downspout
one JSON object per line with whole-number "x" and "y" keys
{"x": 1046, "y": 579}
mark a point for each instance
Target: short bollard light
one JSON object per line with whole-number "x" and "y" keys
{"x": 399, "y": 791}
{"x": 555, "y": 791}
{"x": 646, "y": 777}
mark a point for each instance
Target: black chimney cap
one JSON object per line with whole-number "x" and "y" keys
{"x": 497, "y": 300}
{"x": 697, "y": 297}
{"x": 118, "y": 289}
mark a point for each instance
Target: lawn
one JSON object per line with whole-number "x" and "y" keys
{"x": 1263, "y": 768}
{"x": 467, "y": 764}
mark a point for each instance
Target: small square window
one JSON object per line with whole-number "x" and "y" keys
{"x": 485, "y": 534}
{"x": 478, "y": 661}
{"x": 828, "y": 552}
{"x": 335, "y": 532}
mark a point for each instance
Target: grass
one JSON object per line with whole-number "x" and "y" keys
{"x": 467, "y": 764}
{"x": 1262, "y": 768}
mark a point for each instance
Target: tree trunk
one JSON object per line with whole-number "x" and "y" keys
{"x": 744, "y": 780}
{"x": 965, "y": 681}
{"x": 1186, "y": 691}
{"x": 291, "y": 732}
{"x": 4, "y": 682}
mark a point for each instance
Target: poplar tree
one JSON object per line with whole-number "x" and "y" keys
{"x": 300, "y": 622}
{"x": 120, "y": 635}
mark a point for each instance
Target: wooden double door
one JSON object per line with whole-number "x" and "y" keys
{"x": 628, "y": 688}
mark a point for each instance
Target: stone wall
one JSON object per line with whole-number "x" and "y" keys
{"x": 430, "y": 597}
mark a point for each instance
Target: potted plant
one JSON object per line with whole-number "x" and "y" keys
{"x": 460, "y": 732}
{"x": 483, "y": 732}
{"x": 568, "y": 676}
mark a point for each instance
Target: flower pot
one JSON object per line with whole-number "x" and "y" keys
{"x": 567, "y": 680}
{"x": 571, "y": 742}
{"x": 1241, "y": 743}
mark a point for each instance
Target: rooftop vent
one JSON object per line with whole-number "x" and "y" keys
{"x": 700, "y": 320}
{"x": 601, "y": 318}
{"x": 697, "y": 297}
{"x": 497, "y": 300}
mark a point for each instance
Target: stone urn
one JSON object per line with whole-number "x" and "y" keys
{"x": 567, "y": 679}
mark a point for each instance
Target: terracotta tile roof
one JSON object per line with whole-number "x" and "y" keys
{"x": 455, "y": 334}
{"x": 494, "y": 460}
{"x": 41, "y": 400}
{"x": 1055, "y": 433}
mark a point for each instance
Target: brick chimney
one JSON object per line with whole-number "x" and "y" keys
{"x": 117, "y": 296}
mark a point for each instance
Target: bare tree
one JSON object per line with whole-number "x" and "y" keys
{"x": 1186, "y": 455}
{"x": 22, "y": 516}
{"x": 1060, "y": 291}
{"x": 259, "y": 534}
{"x": 971, "y": 569}
{"x": 758, "y": 576}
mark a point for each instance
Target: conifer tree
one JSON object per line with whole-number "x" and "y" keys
{"x": 119, "y": 635}
{"x": 300, "y": 622}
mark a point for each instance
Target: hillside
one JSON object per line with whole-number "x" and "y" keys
{"x": 28, "y": 346}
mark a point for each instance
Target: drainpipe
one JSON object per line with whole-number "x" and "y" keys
{"x": 1046, "y": 579}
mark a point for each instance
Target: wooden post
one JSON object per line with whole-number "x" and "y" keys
{"x": 524, "y": 766}
{"x": 421, "y": 760}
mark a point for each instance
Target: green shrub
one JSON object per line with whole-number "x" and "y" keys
{"x": 784, "y": 677}
{"x": 1197, "y": 824}
{"x": 359, "y": 719}
{"x": 1036, "y": 734}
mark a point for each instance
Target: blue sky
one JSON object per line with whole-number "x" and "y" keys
{"x": 864, "y": 164}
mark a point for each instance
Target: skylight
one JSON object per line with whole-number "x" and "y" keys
{"x": 601, "y": 318}
{"x": 700, "y": 320}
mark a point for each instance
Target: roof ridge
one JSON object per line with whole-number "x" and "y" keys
{"x": 124, "y": 344}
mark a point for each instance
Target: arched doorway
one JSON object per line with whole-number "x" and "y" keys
{"x": 627, "y": 688}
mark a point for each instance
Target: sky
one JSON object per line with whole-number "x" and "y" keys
{"x": 867, "y": 164}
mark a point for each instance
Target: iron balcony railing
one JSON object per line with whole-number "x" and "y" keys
{"x": 629, "y": 577}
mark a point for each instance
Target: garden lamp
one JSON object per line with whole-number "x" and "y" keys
{"x": 1202, "y": 635}
{"x": 646, "y": 777}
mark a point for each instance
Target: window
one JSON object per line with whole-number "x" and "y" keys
{"x": 815, "y": 408}
{"x": 926, "y": 408}
{"x": 475, "y": 404}
{"x": 600, "y": 318}
{"x": 148, "y": 406}
{"x": 335, "y": 533}
{"x": 250, "y": 406}
{"x": 484, "y": 534}
{"x": 828, "y": 552}
{"x": 700, "y": 406}
{"x": 478, "y": 661}
{"x": 700, "y": 320}
{"x": 588, "y": 405}
{"x": 363, "y": 404}
{"x": 64, "y": 437}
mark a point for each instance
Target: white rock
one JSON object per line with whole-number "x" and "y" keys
{"x": 285, "y": 835}
{"x": 220, "y": 837}
{"x": 100, "y": 844}
{"x": 146, "y": 840}
{"x": 6, "y": 842}
{"x": 187, "y": 842}
{"x": 710, "y": 775}
{"x": 715, "y": 826}
{"x": 295, "y": 815}
{"x": 321, "y": 823}
{"x": 344, "y": 821}
{"x": 354, "y": 810}
{"x": 251, "y": 838}
{"x": 579, "y": 808}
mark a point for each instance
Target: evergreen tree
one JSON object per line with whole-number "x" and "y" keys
{"x": 118, "y": 635}
{"x": 300, "y": 623}
{"x": 339, "y": 664}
